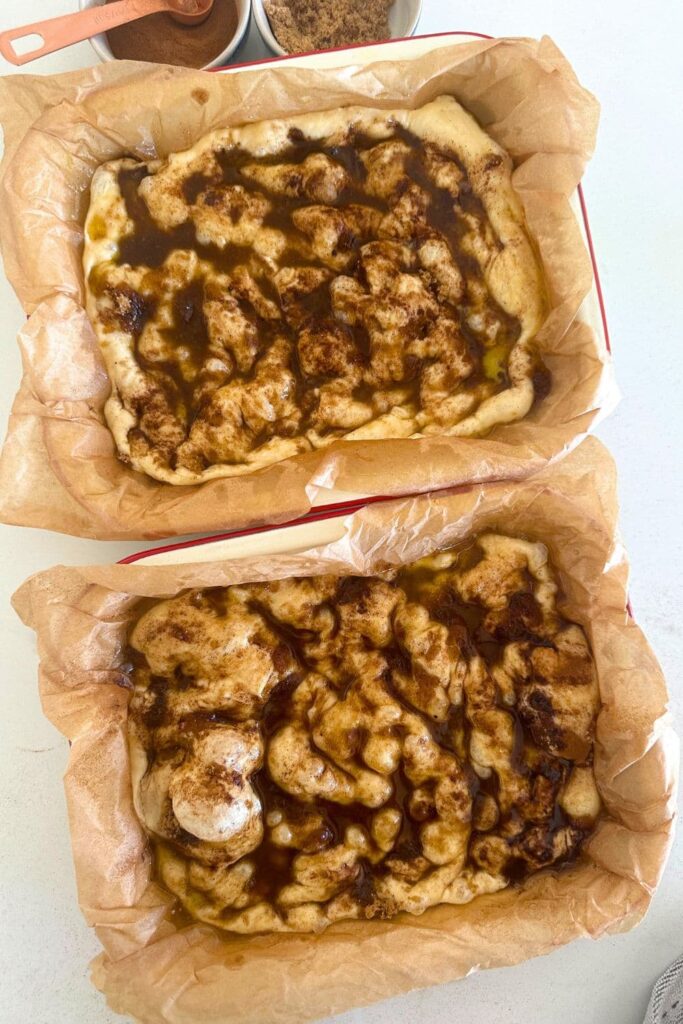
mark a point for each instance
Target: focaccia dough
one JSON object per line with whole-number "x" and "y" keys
{"x": 310, "y": 750}
{"x": 349, "y": 274}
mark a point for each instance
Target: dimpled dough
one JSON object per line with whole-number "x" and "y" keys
{"x": 306, "y": 751}
{"x": 350, "y": 274}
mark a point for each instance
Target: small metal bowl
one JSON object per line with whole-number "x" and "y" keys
{"x": 403, "y": 19}
{"x": 103, "y": 50}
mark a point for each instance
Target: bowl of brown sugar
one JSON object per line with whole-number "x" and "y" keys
{"x": 162, "y": 40}
{"x": 305, "y": 26}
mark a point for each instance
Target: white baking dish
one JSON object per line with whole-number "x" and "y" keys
{"x": 321, "y": 527}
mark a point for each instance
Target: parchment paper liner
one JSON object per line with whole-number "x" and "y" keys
{"x": 58, "y": 468}
{"x": 160, "y": 975}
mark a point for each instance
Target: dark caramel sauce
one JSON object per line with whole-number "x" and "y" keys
{"x": 150, "y": 246}
{"x": 180, "y": 917}
{"x": 189, "y": 332}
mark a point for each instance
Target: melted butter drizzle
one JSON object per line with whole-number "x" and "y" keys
{"x": 150, "y": 246}
{"x": 467, "y": 634}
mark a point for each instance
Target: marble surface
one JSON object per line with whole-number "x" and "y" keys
{"x": 630, "y": 57}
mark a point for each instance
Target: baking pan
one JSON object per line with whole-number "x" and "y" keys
{"x": 591, "y": 312}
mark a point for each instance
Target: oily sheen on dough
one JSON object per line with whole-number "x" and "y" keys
{"x": 305, "y": 751}
{"x": 349, "y": 274}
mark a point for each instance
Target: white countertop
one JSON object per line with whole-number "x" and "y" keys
{"x": 630, "y": 57}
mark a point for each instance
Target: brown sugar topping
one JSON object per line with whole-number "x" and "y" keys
{"x": 300, "y": 25}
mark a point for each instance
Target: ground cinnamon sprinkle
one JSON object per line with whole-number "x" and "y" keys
{"x": 161, "y": 39}
{"x": 300, "y": 25}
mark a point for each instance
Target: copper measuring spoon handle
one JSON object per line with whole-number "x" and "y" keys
{"x": 56, "y": 33}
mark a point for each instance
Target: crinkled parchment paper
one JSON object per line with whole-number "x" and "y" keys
{"x": 161, "y": 975}
{"x": 59, "y": 469}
